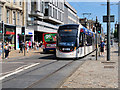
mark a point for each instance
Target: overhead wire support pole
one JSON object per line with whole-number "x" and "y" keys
{"x": 3, "y": 41}
{"x": 96, "y": 37}
{"x": 108, "y": 30}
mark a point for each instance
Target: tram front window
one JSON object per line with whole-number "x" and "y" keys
{"x": 67, "y": 40}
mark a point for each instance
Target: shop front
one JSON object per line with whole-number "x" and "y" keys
{"x": 29, "y": 35}
{"x": 19, "y": 37}
{"x": 10, "y": 35}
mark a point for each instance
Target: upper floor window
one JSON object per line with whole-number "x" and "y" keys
{"x": 14, "y": 1}
{"x": 14, "y": 18}
{"x": 0, "y": 13}
{"x": 7, "y": 16}
{"x": 20, "y": 3}
{"x": 18, "y": 18}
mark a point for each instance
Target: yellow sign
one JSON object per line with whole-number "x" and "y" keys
{"x": 68, "y": 30}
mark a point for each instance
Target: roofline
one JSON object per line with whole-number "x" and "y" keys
{"x": 68, "y": 5}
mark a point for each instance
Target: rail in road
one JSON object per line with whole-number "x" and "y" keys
{"x": 35, "y": 83}
{"x": 41, "y": 74}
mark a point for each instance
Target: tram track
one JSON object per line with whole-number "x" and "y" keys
{"x": 30, "y": 71}
{"x": 59, "y": 67}
{"x": 47, "y": 76}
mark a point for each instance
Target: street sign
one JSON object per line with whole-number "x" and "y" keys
{"x": 111, "y": 18}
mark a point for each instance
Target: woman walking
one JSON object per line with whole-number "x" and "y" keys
{"x": 7, "y": 50}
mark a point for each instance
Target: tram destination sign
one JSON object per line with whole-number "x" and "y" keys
{"x": 111, "y": 18}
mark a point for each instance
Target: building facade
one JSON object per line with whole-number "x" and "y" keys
{"x": 70, "y": 14}
{"x": 12, "y": 13}
{"x": 44, "y": 16}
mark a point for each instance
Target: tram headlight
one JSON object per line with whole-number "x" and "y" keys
{"x": 74, "y": 48}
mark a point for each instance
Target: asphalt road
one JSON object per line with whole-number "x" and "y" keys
{"x": 40, "y": 71}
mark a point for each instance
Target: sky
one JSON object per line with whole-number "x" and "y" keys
{"x": 96, "y": 9}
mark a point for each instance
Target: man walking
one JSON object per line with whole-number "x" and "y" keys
{"x": 102, "y": 47}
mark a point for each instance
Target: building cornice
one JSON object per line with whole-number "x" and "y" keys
{"x": 14, "y": 7}
{"x": 70, "y": 7}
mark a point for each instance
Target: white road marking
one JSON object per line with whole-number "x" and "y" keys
{"x": 10, "y": 62}
{"x": 18, "y": 70}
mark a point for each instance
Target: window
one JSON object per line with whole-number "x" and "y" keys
{"x": 7, "y": 16}
{"x": 53, "y": 12}
{"x": 42, "y": 7}
{"x": 14, "y": 21}
{"x": 0, "y": 13}
{"x": 46, "y": 9}
{"x": 89, "y": 41}
{"x": 81, "y": 40}
{"x": 50, "y": 11}
{"x": 20, "y": 3}
{"x": 14, "y": 1}
{"x": 18, "y": 18}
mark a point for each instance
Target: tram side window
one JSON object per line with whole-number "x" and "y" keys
{"x": 81, "y": 40}
{"x": 89, "y": 40}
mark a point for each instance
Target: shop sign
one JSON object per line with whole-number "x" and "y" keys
{"x": 10, "y": 31}
{"x": 29, "y": 32}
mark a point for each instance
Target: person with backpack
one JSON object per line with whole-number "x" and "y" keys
{"x": 102, "y": 47}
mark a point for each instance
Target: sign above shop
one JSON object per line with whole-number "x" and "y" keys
{"x": 10, "y": 31}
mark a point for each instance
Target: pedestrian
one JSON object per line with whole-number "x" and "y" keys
{"x": 21, "y": 47}
{"x": 41, "y": 44}
{"x": 0, "y": 50}
{"x": 29, "y": 44}
{"x": 112, "y": 42}
{"x": 102, "y": 47}
{"x": 7, "y": 50}
{"x": 37, "y": 44}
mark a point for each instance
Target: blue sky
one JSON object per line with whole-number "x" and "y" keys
{"x": 96, "y": 9}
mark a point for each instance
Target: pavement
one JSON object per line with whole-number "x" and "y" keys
{"x": 14, "y": 54}
{"x": 96, "y": 74}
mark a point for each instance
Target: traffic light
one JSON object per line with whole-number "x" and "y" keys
{"x": 1, "y": 29}
{"x": 23, "y": 30}
{"x": 99, "y": 29}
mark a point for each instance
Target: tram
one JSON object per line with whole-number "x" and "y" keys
{"x": 74, "y": 41}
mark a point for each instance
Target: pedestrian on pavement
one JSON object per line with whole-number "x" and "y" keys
{"x": 102, "y": 47}
{"x": 29, "y": 44}
{"x": 0, "y": 50}
{"x": 7, "y": 50}
{"x": 37, "y": 44}
{"x": 21, "y": 47}
{"x": 112, "y": 42}
{"x": 41, "y": 44}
